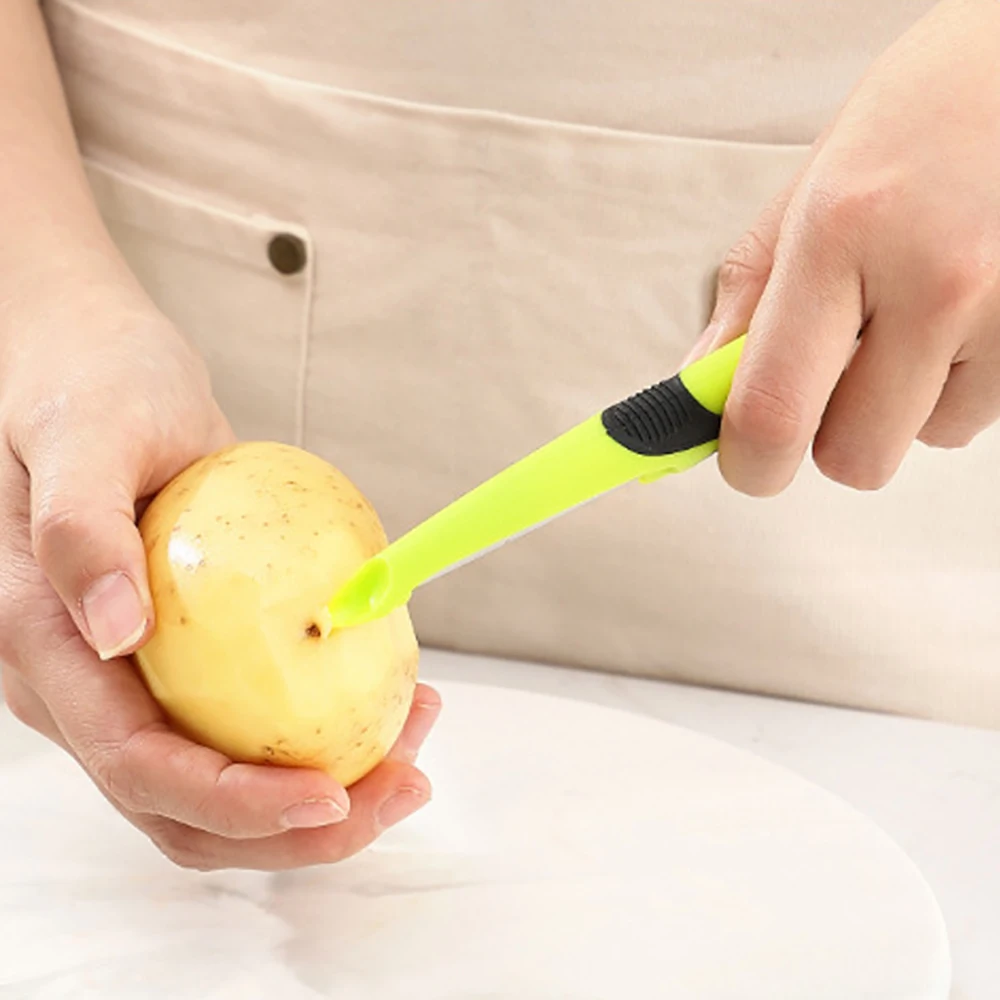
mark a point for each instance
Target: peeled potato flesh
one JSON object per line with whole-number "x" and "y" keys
{"x": 244, "y": 549}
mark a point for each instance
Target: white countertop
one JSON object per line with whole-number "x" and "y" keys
{"x": 934, "y": 788}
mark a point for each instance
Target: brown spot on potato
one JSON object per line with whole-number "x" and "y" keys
{"x": 183, "y": 621}
{"x": 313, "y": 631}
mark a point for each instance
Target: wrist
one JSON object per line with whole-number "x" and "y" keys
{"x": 55, "y": 307}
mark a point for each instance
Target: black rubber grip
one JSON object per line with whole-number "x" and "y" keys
{"x": 662, "y": 420}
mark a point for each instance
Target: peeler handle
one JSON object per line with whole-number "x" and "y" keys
{"x": 679, "y": 413}
{"x": 667, "y": 428}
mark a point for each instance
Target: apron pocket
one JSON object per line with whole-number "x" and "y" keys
{"x": 239, "y": 286}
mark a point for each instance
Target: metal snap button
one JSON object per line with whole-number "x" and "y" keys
{"x": 287, "y": 253}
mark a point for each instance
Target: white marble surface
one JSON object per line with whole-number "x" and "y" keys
{"x": 934, "y": 788}
{"x": 737, "y": 880}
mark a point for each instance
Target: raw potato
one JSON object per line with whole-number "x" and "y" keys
{"x": 244, "y": 548}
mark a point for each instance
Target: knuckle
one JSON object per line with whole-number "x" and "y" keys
{"x": 222, "y": 822}
{"x": 772, "y": 415}
{"x": 748, "y": 261}
{"x": 836, "y": 205}
{"x": 117, "y": 771}
{"x": 949, "y": 437}
{"x": 208, "y": 812}
{"x": 8, "y": 631}
{"x": 179, "y": 846}
{"x": 44, "y": 420}
{"x": 19, "y": 702}
{"x": 961, "y": 280}
{"x": 332, "y": 845}
{"x": 33, "y": 621}
{"x": 859, "y": 472}
{"x": 56, "y": 526}
{"x": 205, "y": 806}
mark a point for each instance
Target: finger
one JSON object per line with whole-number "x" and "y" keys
{"x": 22, "y": 585}
{"x": 25, "y": 705}
{"x": 798, "y": 345}
{"x": 120, "y": 736}
{"x": 182, "y": 844}
{"x": 220, "y": 433}
{"x": 383, "y": 798}
{"x": 889, "y": 390}
{"x": 968, "y": 404}
{"x": 424, "y": 712}
{"x": 110, "y": 722}
{"x": 28, "y": 708}
{"x": 741, "y": 279}
{"x": 84, "y": 537}
{"x": 743, "y": 274}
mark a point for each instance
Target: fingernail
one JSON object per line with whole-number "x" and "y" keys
{"x": 701, "y": 345}
{"x": 114, "y": 614}
{"x": 427, "y": 702}
{"x": 310, "y": 813}
{"x": 404, "y": 803}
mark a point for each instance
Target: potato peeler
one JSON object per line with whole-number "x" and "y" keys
{"x": 669, "y": 427}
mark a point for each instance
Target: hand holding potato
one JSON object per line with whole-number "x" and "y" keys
{"x": 101, "y": 404}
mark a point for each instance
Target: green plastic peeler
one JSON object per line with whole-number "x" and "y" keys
{"x": 669, "y": 427}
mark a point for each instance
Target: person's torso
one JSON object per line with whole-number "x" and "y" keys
{"x": 767, "y": 70}
{"x": 493, "y": 219}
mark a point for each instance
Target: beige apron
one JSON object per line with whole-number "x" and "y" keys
{"x": 493, "y": 219}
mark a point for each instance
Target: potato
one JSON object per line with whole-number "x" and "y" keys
{"x": 245, "y": 548}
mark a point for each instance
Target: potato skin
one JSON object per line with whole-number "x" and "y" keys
{"x": 244, "y": 548}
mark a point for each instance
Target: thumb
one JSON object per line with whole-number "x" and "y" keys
{"x": 85, "y": 540}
